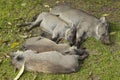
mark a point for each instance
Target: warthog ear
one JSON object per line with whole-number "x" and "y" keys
{"x": 102, "y": 19}
{"x": 12, "y": 55}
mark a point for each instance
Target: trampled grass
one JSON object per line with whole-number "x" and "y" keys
{"x": 103, "y": 62}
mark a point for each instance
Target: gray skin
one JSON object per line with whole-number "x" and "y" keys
{"x": 85, "y": 24}
{"x": 45, "y": 62}
{"x": 41, "y": 44}
{"x": 52, "y": 25}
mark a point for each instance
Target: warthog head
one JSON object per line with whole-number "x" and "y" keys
{"x": 17, "y": 59}
{"x": 70, "y": 35}
{"x": 102, "y": 31}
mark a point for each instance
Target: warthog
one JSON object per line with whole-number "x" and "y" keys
{"x": 53, "y": 25}
{"x": 85, "y": 24}
{"x": 41, "y": 44}
{"x": 46, "y": 62}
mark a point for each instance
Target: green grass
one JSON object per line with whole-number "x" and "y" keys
{"x": 103, "y": 62}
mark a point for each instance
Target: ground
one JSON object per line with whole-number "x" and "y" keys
{"x": 103, "y": 62}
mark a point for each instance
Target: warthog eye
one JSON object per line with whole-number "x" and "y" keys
{"x": 19, "y": 58}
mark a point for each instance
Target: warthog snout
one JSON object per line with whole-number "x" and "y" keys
{"x": 106, "y": 40}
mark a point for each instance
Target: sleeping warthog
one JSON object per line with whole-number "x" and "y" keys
{"x": 40, "y": 44}
{"x": 53, "y": 25}
{"x": 86, "y": 25}
{"x": 46, "y": 62}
